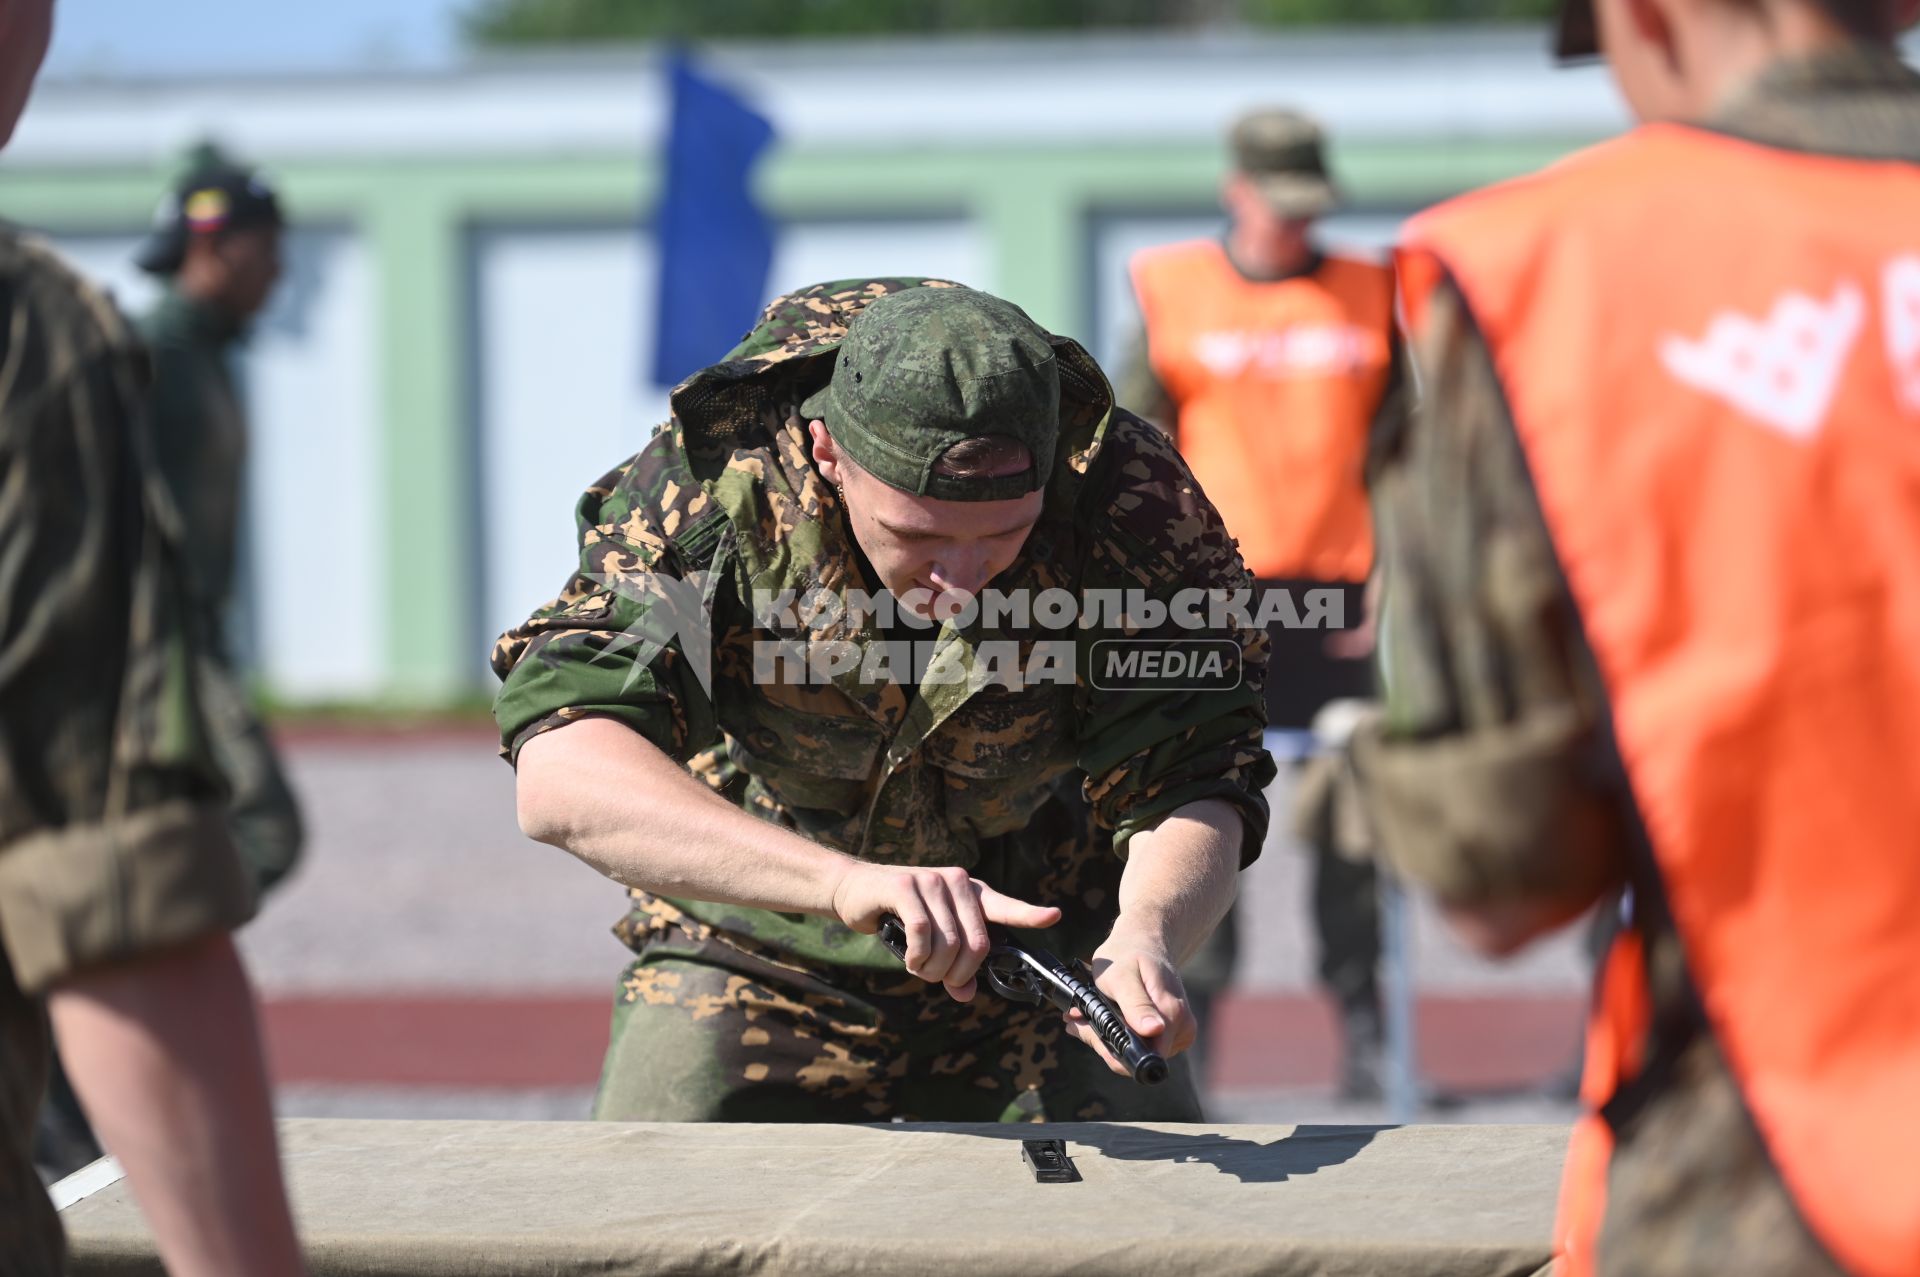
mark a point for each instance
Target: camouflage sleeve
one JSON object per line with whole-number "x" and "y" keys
{"x": 1484, "y": 776}
{"x": 1147, "y": 753}
{"x": 1140, "y": 388}
{"x": 113, "y": 831}
{"x": 598, "y": 650}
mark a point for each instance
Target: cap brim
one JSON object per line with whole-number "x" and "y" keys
{"x": 1297, "y": 194}
{"x": 1577, "y": 35}
{"x": 815, "y": 406}
{"x": 162, "y": 252}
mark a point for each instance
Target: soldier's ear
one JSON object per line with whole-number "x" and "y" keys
{"x": 1653, "y": 23}
{"x": 826, "y": 457}
{"x": 1237, "y": 193}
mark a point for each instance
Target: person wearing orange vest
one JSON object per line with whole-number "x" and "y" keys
{"x": 1270, "y": 362}
{"x": 1652, "y": 555}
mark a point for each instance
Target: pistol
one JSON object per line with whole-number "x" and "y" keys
{"x": 1030, "y": 974}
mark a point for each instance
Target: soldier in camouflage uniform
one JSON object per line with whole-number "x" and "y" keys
{"x": 1493, "y": 694}
{"x": 819, "y": 456}
{"x": 119, "y": 881}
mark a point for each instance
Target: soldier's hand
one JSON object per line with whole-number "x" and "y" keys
{"x": 1143, "y": 981}
{"x": 944, "y": 912}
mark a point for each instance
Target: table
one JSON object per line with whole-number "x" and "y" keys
{"x": 493, "y": 1199}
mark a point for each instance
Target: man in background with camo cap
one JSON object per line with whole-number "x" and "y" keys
{"x": 217, "y": 251}
{"x": 1271, "y": 362}
{"x": 927, "y": 442}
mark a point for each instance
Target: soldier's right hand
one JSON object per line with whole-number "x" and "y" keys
{"x": 944, "y": 912}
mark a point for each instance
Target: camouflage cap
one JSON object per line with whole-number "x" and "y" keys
{"x": 922, "y": 370}
{"x": 1283, "y": 152}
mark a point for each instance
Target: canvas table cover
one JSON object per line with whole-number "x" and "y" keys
{"x": 493, "y": 1199}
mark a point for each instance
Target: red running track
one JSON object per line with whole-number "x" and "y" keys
{"x": 1266, "y": 1041}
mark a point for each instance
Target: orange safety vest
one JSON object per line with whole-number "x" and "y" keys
{"x": 1711, "y": 349}
{"x": 1276, "y": 386}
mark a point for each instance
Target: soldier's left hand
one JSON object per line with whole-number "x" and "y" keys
{"x": 1141, "y": 978}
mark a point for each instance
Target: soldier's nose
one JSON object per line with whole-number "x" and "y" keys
{"x": 960, "y": 576}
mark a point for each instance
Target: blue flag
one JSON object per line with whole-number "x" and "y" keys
{"x": 716, "y": 245}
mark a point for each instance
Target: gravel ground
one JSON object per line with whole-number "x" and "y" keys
{"x": 417, "y": 879}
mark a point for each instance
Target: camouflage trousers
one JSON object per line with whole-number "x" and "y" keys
{"x": 707, "y": 1031}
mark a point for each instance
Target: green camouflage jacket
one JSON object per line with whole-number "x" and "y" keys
{"x": 113, "y": 837}
{"x": 724, "y": 505}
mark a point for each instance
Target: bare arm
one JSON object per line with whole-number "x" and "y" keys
{"x": 165, "y": 1054}
{"x": 1181, "y": 876}
{"x": 601, "y": 791}
{"x": 1178, "y": 884}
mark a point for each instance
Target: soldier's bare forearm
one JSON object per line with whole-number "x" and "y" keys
{"x": 601, "y": 791}
{"x": 1178, "y": 884}
{"x": 1181, "y": 877}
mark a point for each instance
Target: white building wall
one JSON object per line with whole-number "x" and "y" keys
{"x": 560, "y": 315}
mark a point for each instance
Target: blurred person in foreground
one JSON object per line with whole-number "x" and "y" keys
{"x": 1653, "y": 555}
{"x": 216, "y": 246}
{"x": 1271, "y": 363}
{"x": 119, "y": 882}
{"x": 926, "y": 440}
